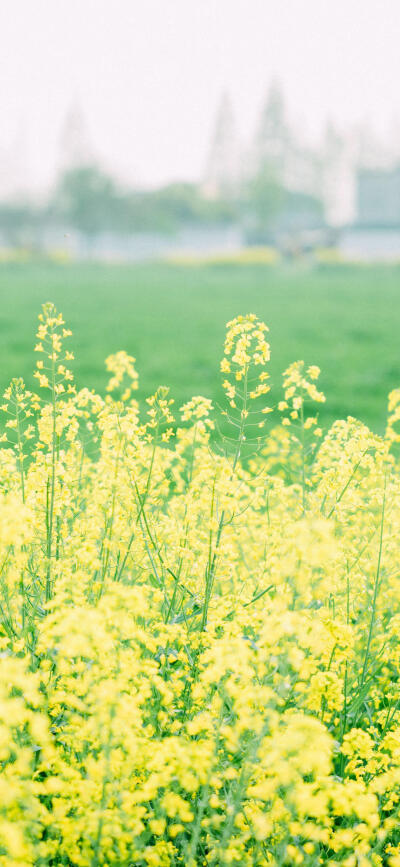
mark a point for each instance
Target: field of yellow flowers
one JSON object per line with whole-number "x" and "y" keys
{"x": 199, "y": 635}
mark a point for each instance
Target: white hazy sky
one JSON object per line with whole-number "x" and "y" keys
{"x": 149, "y": 73}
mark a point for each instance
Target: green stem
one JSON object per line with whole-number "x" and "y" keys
{"x": 50, "y": 507}
{"x": 212, "y": 565}
{"x": 303, "y": 457}
{"x": 20, "y": 454}
{"x": 375, "y": 596}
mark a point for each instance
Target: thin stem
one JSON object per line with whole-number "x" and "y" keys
{"x": 303, "y": 457}
{"x": 20, "y": 453}
{"x": 211, "y": 570}
{"x": 50, "y": 506}
{"x": 375, "y": 596}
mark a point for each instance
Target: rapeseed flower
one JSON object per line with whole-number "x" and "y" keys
{"x": 199, "y": 644}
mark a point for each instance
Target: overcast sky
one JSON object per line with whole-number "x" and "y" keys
{"x": 149, "y": 73}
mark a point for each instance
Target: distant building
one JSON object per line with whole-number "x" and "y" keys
{"x": 378, "y": 197}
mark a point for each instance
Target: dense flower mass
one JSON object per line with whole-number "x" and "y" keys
{"x": 199, "y": 634}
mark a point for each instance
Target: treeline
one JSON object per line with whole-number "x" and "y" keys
{"x": 89, "y": 201}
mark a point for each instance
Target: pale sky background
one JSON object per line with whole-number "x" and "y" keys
{"x": 149, "y": 73}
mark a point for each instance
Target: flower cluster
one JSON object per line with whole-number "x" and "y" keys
{"x": 245, "y": 350}
{"x": 297, "y": 389}
{"x": 199, "y": 657}
{"x": 122, "y": 366}
{"x": 198, "y": 411}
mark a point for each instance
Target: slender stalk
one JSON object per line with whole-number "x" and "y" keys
{"x": 375, "y": 595}
{"x": 150, "y": 472}
{"x": 109, "y": 530}
{"x": 103, "y": 800}
{"x": 344, "y": 489}
{"x": 20, "y": 451}
{"x": 346, "y": 675}
{"x": 303, "y": 456}
{"x": 211, "y": 570}
{"x": 50, "y": 504}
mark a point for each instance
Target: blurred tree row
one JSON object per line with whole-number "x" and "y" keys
{"x": 88, "y": 200}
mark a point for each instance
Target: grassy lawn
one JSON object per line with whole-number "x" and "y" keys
{"x": 172, "y": 320}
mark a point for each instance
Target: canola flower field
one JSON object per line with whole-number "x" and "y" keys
{"x": 199, "y": 638}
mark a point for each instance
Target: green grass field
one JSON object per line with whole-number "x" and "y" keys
{"x": 171, "y": 318}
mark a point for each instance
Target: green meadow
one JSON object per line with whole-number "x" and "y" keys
{"x": 172, "y": 319}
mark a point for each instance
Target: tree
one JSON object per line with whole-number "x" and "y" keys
{"x": 222, "y": 170}
{"x": 19, "y": 223}
{"x": 273, "y": 140}
{"x": 88, "y": 200}
{"x": 262, "y": 202}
